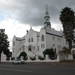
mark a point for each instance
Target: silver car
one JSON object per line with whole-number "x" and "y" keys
{"x": 15, "y": 61}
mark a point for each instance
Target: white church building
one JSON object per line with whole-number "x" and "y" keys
{"x": 34, "y": 42}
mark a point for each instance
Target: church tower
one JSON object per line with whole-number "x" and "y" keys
{"x": 47, "y": 18}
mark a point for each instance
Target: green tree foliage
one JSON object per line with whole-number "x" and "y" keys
{"x": 4, "y": 43}
{"x": 67, "y": 19}
{"x": 50, "y": 52}
{"x": 65, "y": 51}
{"x": 24, "y": 55}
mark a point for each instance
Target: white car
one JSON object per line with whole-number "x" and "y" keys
{"x": 15, "y": 61}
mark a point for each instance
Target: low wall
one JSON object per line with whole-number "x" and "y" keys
{"x": 46, "y": 60}
{"x": 65, "y": 57}
{"x": 3, "y": 58}
{"x": 58, "y": 59}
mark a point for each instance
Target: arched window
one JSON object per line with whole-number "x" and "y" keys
{"x": 42, "y": 38}
{"x": 13, "y": 43}
{"x": 31, "y": 39}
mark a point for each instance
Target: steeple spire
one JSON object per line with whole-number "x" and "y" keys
{"x": 46, "y": 9}
{"x": 47, "y": 18}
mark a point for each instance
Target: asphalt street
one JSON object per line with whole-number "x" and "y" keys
{"x": 37, "y": 69}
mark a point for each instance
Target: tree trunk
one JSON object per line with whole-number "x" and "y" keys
{"x": 70, "y": 44}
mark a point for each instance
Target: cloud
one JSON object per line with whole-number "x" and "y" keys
{"x": 13, "y": 27}
{"x": 32, "y": 12}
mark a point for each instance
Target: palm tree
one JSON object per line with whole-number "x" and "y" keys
{"x": 67, "y": 19}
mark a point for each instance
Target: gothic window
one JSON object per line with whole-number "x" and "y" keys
{"x": 38, "y": 47}
{"x": 29, "y": 40}
{"x": 13, "y": 43}
{"x": 42, "y": 38}
{"x": 59, "y": 39}
{"x": 43, "y": 45}
{"x": 53, "y": 38}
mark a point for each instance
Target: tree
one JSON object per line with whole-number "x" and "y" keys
{"x": 50, "y": 52}
{"x": 65, "y": 51}
{"x": 67, "y": 19}
{"x": 4, "y": 43}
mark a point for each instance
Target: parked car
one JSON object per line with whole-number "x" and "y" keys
{"x": 16, "y": 61}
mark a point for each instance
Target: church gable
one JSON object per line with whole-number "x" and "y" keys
{"x": 30, "y": 32}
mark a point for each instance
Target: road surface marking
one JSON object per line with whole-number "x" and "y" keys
{"x": 15, "y": 70}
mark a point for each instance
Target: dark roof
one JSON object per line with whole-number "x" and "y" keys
{"x": 53, "y": 32}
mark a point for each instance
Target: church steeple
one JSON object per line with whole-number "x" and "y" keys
{"x": 47, "y": 18}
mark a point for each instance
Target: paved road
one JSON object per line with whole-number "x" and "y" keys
{"x": 37, "y": 69}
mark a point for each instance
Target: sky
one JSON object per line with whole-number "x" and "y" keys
{"x": 16, "y": 16}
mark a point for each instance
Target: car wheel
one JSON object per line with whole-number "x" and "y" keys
{"x": 18, "y": 62}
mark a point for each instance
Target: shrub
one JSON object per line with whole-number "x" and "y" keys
{"x": 53, "y": 57}
{"x": 24, "y": 55}
{"x": 33, "y": 58}
{"x": 12, "y": 58}
{"x": 41, "y": 58}
{"x": 7, "y": 58}
{"x": 50, "y": 52}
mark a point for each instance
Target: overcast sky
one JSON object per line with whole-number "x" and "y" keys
{"x": 16, "y": 16}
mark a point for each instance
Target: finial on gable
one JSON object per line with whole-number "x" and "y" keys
{"x": 30, "y": 27}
